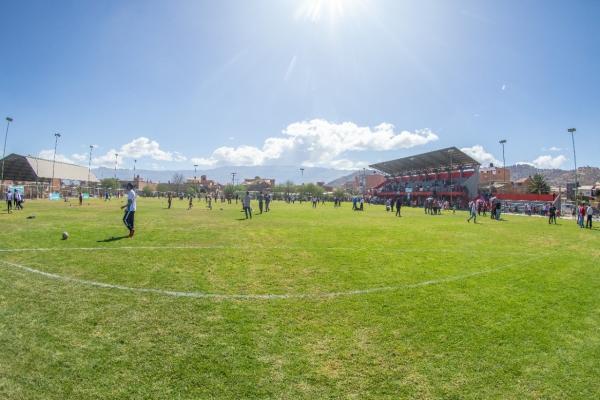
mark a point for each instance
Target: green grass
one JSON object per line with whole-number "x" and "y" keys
{"x": 505, "y": 309}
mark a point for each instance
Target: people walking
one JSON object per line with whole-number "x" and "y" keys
{"x": 260, "y": 202}
{"x": 130, "y": 208}
{"x": 473, "y": 210}
{"x": 246, "y": 205}
{"x": 590, "y": 213}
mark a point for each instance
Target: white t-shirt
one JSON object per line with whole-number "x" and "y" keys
{"x": 131, "y": 196}
{"x": 589, "y": 211}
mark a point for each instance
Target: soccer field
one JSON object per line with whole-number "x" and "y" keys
{"x": 295, "y": 303}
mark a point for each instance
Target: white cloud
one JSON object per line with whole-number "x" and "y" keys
{"x": 49, "y": 155}
{"x": 554, "y": 148}
{"x": 318, "y": 143}
{"x": 481, "y": 155}
{"x": 503, "y": 88}
{"x": 547, "y": 161}
{"x": 136, "y": 149}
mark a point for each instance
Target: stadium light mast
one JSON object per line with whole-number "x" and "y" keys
{"x": 116, "y": 162}
{"x": 90, "y": 166}
{"x": 233, "y": 174}
{"x": 572, "y": 132}
{"x": 56, "y": 136}
{"x": 134, "y": 163}
{"x": 503, "y": 142}
{"x": 8, "y": 121}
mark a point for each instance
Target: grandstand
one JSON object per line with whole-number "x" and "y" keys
{"x": 445, "y": 174}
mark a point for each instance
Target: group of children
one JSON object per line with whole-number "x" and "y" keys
{"x": 14, "y": 199}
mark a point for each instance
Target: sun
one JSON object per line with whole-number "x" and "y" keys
{"x": 318, "y": 10}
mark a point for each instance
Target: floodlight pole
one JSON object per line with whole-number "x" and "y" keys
{"x": 502, "y": 142}
{"x": 90, "y": 166}
{"x": 116, "y": 162}
{"x": 8, "y": 121}
{"x": 134, "y": 163}
{"x": 233, "y": 174}
{"x": 572, "y": 132}
{"x": 56, "y": 136}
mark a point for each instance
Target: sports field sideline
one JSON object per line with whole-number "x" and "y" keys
{"x": 295, "y": 303}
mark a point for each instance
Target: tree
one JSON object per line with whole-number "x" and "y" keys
{"x": 538, "y": 185}
{"x": 147, "y": 191}
{"x": 178, "y": 180}
{"x": 110, "y": 183}
{"x": 229, "y": 191}
{"x": 313, "y": 190}
{"x": 339, "y": 193}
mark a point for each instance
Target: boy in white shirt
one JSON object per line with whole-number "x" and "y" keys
{"x": 130, "y": 207}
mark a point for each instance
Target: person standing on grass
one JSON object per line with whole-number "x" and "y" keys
{"x": 581, "y": 215}
{"x": 130, "y": 207}
{"x": 9, "y": 199}
{"x": 246, "y": 205}
{"x": 267, "y": 202}
{"x": 80, "y": 198}
{"x": 590, "y": 213}
{"x": 260, "y": 202}
{"x": 169, "y": 200}
{"x": 473, "y": 209}
{"x": 398, "y": 206}
{"x": 552, "y": 214}
{"x": 190, "y": 204}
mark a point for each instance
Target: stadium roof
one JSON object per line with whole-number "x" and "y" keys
{"x": 450, "y": 157}
{"x": 30, "y": 169}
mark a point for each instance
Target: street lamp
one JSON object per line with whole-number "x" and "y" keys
{"x": 572, "y": 132}
{"x": 502, "y": 142}
{"x": 134, "y": 163}
{"x": 56, "y": 136}
{"x": 8, "y": 121}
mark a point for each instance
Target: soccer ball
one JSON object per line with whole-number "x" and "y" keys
{"x": 65, "y": 235}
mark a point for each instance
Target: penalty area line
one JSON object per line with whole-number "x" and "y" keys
{"x": 222, "y": 296}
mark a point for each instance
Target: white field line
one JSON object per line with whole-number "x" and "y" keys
{"x": 221, "y": 247}
{"x": 221, "y": 296}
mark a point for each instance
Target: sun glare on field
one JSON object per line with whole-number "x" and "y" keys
{"x": 332, "y": 10}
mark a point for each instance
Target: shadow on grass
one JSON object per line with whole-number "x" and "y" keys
{"x": 112, "y": 239}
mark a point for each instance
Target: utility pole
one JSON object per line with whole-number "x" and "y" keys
{"x": 233, "y": 174}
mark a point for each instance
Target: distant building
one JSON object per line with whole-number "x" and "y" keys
{"x": 259, "y": 184}
{"x": 490, "y": 175}
{"x": 38, "y": 172}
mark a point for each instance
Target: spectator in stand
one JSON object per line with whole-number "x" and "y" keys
{"x": 590, "y": 213}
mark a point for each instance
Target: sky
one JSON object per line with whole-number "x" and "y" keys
{"x": 328, "y": 83}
